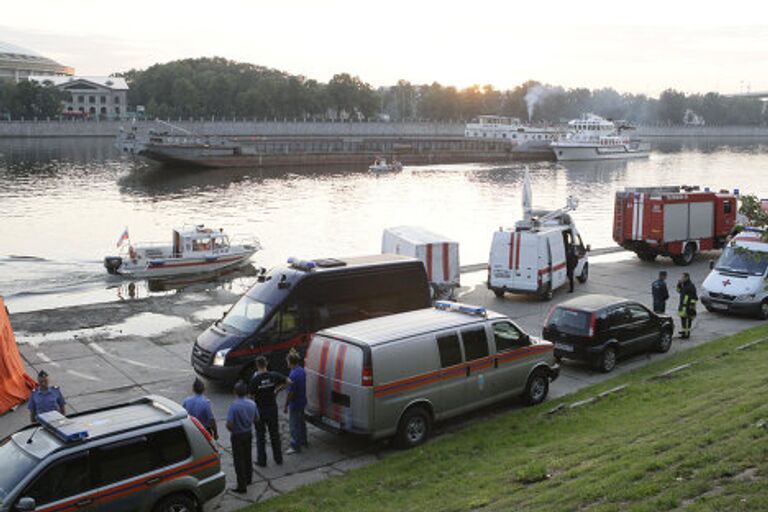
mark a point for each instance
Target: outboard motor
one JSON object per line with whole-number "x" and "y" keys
{"x": 112, "y": 263}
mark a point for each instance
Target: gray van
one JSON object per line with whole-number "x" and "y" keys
{"x": 398, "y": 374}
{"x": 145, "y": 455}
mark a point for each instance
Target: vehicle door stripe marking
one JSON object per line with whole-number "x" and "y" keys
{"x": 446, "y": 262}
{"x": 429, "y": 262}
{"x": 511, "y": 251}
{"x": 517, "y": 251}
{"x": 338, "y": 372}
{"x": 321, "y": 378}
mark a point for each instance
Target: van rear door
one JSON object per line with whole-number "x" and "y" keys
{"x": 557, "y": 255}
{"x": 337, "y": 397}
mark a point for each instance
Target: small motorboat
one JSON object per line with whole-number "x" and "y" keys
{"x": 195, "y": 249}
{"x": 381, "y": 165}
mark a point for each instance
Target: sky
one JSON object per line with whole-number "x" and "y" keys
{"x": 638, "y": 47}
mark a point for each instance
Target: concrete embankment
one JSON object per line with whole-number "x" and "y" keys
{"x": 287, "y": 128}
{"x": 107, "y": 353}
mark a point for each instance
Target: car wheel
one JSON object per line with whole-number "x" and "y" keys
{"x": 414, "y": 427}
{"x": 665, "y": 341}
{"x": 537, "y": 389}
{"x": 762, "y": 314}
{"x": 548, "y": 293}
{"x": 498, "y": 292}
{"x": 176, "y": 503}
{"x": 607, "y": 361}
{"x": 584, "y": 274}
{"x": 686, "y": 258}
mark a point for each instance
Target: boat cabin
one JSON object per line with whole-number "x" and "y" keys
{"x": 199, "y": 240}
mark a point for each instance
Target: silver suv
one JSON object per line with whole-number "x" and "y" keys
{"x": 145, "y": 455}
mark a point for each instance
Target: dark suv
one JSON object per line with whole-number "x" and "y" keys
{"x": 599, "y": 329}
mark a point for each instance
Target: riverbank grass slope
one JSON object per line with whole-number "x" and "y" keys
{"x": 695, "y": 439}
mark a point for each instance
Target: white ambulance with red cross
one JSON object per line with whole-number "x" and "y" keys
{"x": 531, "y": 258}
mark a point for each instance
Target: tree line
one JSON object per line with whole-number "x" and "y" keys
{"x": 218, "y": 87}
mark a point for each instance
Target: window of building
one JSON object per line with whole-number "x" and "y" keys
{"x": 91, "y": 99}
{"x": 81, "y": 109}
{"x": 475, "y": 343}
{"x": 92, "y": 110}
{"x": 450, "y": 353}
{"x": 103, "y": 110}
{"x": 103, "y": 99}
{"x": 117, "y": 110}
{"x": 117, "y": 99}
{"x": 69, "y": 109}
{"x": 81, "y": 99}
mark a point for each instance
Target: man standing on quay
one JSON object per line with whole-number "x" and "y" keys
{"x": 241, "y": 417}
{"x": 660, "y": 293}
{"x": 297, "y": 400}
{"x": 264, "y": 386}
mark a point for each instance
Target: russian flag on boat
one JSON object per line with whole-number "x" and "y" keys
{"x": 123, "y": 238}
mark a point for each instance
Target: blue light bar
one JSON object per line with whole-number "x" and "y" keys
{"x": 301, "y": 264}
{"x": 445, "y": 305}
{"x": 62, "y": 427}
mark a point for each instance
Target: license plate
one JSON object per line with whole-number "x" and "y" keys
{"x": 331, "y": 423}
{"x": 716, "y": 305}
{"x": 564, "y": 347}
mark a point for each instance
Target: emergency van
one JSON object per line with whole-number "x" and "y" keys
{"x": 289, "y": 304}
{"x": 396, "y": 375}
{"x": 672, "y": 221}
{"x": 531, "y": 258}
{"x": 737, "y": 283}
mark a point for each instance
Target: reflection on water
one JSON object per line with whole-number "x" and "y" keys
{"x": 65, "y": 201}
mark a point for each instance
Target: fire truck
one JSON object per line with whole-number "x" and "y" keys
{"x": 672, "y": 221}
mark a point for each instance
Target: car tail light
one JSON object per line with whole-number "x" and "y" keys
{"x": 592, "y": 323}
{"x": 208, "y": 436}
{"x": 367, "y": 379}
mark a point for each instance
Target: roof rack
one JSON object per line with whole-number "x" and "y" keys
{"x": 446, "y": 305}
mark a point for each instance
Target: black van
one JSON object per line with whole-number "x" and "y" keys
{"x": 289, "y": 304}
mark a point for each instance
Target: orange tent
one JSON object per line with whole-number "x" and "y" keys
{"x": 15, "y": 384}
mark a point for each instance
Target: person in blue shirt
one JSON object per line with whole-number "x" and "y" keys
{"x": 199, "y": 407}
{"x": 297, "y": 400}
{"x": 241, "y": 416}
{"x": 45, "y": 398}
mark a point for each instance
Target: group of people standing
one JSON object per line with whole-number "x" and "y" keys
{"x": 686, "y": 308}
{"x": 255, "y": 408}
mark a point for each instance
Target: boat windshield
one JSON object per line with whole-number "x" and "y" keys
{"x": 15, "y": 464}
{"x": 742, "y": 261}
{"x": 246, "y": 315}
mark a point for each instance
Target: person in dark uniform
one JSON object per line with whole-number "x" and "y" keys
{"x": 264, "y": 387}
{"x": 199, "y": 407}
{"x": 570, "y": 264}
{"x": 241, "y": 416}
{"x": 45, "y": 398}
{"x": 687, "y": 307}
{"x": 660, "y": 293}
{"x": 295, "y": 403}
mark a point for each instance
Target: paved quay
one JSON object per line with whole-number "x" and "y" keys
{"x": 99, "y": 355}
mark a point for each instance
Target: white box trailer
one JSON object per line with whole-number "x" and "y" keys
{"x": 439, "y": 254}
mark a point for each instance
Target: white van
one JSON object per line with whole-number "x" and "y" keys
{"x": 531, "y": 257}
{"x": 737, "y": 283}
{"x": 395, "y": 375}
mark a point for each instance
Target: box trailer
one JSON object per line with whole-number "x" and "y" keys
{"x": 672, "y": 221}
{"x": 439, "y": 254}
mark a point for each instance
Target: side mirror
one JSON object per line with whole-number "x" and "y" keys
{"x": 25, "y": 504}
{"x": 589, "y": 247}
{"x": 525, "y": 339}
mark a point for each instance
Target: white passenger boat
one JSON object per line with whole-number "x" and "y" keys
{"x": 595, "y": 138}
{"x": 511, "y": 129}
{"x": 381, "y": 165}
{"x": 193, "y": 250}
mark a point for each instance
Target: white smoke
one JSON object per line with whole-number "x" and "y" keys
{"x": 537, "y": 93}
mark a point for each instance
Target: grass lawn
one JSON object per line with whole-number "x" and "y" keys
{"x": 697, "y": 440}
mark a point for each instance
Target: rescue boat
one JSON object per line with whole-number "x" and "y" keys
{"x": 193, "y": 250}
{"x": 381, "y": 165}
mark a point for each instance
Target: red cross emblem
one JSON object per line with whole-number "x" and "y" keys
{"x": 726, "y": 282}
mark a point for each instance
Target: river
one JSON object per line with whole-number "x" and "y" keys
{"x": 64, "y": 203}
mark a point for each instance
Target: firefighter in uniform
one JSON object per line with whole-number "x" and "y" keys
{"x": 45, "y": 398}
{"x": 660, "y": 293}
{"x": 264, "y": 386}
{"x": 687, "y": 307}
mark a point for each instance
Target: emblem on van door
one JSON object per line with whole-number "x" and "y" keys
{"x": 726, "y": 282}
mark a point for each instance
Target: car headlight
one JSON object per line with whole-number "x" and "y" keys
{"x": 220, "y": 357}
{"x": 747, "y": 297}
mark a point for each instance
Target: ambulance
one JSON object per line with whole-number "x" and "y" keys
{"x": 737, "y": 283}
{"x": 531, "y": 258}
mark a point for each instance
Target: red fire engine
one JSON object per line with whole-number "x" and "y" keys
{"x": 672, "y": 221}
